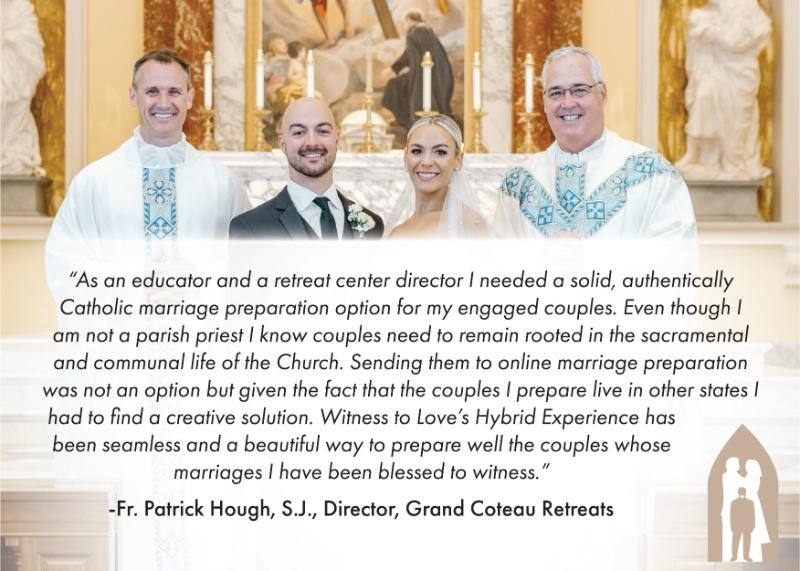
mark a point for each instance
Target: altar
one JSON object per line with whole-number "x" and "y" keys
{"x": 376, "y": 180}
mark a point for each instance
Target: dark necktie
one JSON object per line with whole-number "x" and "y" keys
{"x": 327, "y": 225}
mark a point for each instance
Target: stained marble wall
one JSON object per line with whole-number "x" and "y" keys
{"x": 376, "y": 180}
{"x": 496, "y": 40}
{"x": 229, "y": 27}
{"x": 186, "y": 26}
{"x": 540, "y": 26}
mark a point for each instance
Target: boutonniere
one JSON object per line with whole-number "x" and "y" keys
{"x": 359, "y": 220}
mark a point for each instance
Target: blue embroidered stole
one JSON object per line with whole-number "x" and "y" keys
{"x": 572, "y": 210}
{"x": 160, "y": 207}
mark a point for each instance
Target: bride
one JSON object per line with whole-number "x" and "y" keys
{"x": 438, "y": 202}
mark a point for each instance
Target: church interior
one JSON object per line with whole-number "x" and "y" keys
{"x": 71, "y": 108}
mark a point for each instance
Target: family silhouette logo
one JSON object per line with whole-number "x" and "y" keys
{"x": 743, "y": 502}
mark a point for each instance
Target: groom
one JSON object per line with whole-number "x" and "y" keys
{"x": 310, "y": 206}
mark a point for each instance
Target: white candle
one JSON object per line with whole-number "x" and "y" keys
{"x": 369, "y": 66}
{"x": 310, "y": 73}
{"x": 529, "y": 83}
{"x": 260, "y": 79}
{"x": 427, "y": 64}
{"x": 208, "y": 81}
{"x": 476, "y": 82}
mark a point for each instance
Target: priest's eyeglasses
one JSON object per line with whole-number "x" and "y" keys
{"x": 577, "y": 91}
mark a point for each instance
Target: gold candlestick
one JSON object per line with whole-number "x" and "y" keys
{"x": 527, "y": 145}
{"x": 261, "y": 143}
{"x": 367, "y": 146}
{"x": 208, "y": 143}
{"x": 477, "y": 142}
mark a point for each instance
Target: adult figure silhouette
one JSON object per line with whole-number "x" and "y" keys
{"x": 731, "y": 482}
{"x": 752, "y": 483}
{"x": 742, "y": 524}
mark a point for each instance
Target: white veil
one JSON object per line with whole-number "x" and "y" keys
{"x": 460, "y": 217}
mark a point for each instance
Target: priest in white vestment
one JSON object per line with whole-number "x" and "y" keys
{"x": 153, "y": 191}
{"x": 148, "y": 208}
{"x": 590, "y": 182}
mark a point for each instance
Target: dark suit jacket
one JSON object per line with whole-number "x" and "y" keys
{"x": 278, "y": 219}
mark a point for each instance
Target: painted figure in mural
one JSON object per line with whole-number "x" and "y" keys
{"x": 23, "y": 67}
{"x": 297, "y": 63}
{"x": 403, "y": 94}
{"x": 156, "y": 187}
{"x": 438, "y": 201}
{"x": 590, "y": 181}
{"x": 723, "y": 41}
{"x": 320, "y": 8}
{"x": 318, "y": 24}
{"x": 277, "y": 70}
{"x": 309, "y": 207}
{"x": 294, "y": 83}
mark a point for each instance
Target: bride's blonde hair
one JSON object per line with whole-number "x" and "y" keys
{"x": 443, "y": 121}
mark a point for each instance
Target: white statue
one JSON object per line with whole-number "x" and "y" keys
{"x": 723, "y": 41}
{"x": 23, "y": 67}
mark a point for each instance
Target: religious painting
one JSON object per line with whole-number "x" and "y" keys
{"x": 344, "y": 35}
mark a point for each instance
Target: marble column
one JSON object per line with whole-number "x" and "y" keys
{"x": 229, "y": 26}
{"x": 497, "y": 49}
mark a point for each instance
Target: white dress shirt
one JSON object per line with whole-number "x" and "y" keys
{"x": 303, "y": 200}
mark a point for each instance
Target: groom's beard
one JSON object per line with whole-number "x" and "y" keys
{"x": 297, "y": 161}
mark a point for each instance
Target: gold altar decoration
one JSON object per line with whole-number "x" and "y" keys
{"x": 368, "y": 146}
{"x": 261, "y": 144}
{"x": 208, "y": 144}
{"x": 526, "y": 122}
{"x": 540, "y": 26}
{"x": 672, "y": 114}
{"x": 187, "y": 26}
{"x": 477, "y": 146}
{"x": 48, "y": 105}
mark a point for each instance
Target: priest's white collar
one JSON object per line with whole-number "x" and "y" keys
{"x": 303, "y": 197}
{"x": 160, "y": 157}
{"x": 593, "y": 151}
